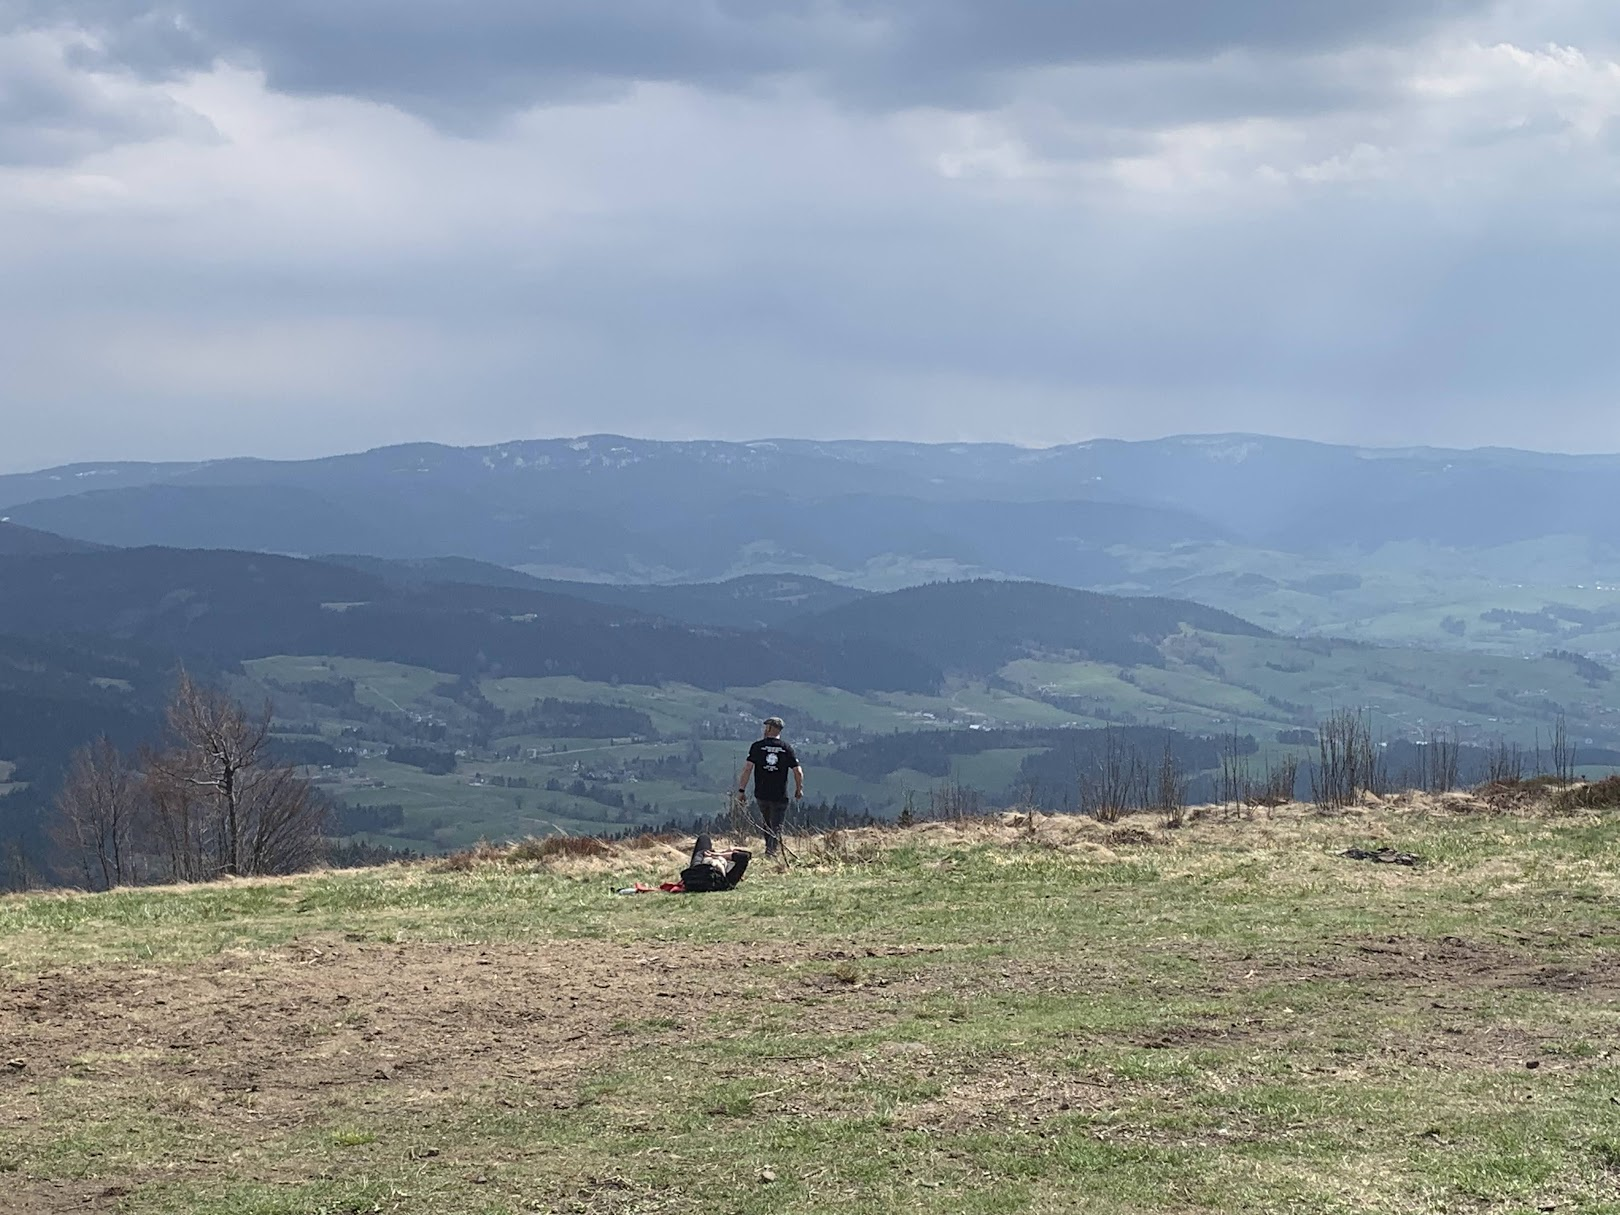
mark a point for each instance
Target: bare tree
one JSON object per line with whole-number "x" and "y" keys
{"x": 1349, "y": 761}
{"x": 97, "y": 811}
{"x": 1170, "y": 795}
{"x": 908, "y": 814}
{"x": 1506, "y": 763}
{"x": 180, "y": 823}
{"x": 1277, "y": 789}
{"x": 1563, "y": 754}
{"x": 16, "y": 867}
{"x": 220, "y": 806}
{"x": 954, "y": 800}
{"x": 284, "y": 820}
{"x": 1441, "y": 759}
{"x": 1237, "y": 779}
{"x": 1106, "y": 789}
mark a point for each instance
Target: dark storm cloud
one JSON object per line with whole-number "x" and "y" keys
{"x": 478, "y": 59}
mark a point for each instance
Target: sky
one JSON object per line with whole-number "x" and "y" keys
{"x": 229, "y": 227}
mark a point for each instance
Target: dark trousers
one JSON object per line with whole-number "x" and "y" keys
{"x": 773, "y": 815}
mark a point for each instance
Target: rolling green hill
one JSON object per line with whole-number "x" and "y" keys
{"x": 750, "y": 602}
{"x": 231, "y": 606}
{"x": 443, "y": 705}
{"x": 1009, "y": 736}
{"x": 978, "y": 627}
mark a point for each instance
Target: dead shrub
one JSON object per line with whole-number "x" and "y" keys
{"x": 661, "y": 839}
{"x": 529, "y": 851}
{"x": 555, "y": 847}
{"x": 1511, "y": 794}
{"x": 1599, "y": 795}
{"x": 481, "y": 853}
{"x": 837, "y": 848}
{"x": 1127, "y": 837}
{"x": 525, "y": 850}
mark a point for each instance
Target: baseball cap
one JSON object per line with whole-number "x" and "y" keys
{"x": 777, "y": 722}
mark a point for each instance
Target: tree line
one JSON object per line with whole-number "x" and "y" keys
{"x": 211, "y": 801}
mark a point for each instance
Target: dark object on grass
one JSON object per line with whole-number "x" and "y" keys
{"x": 711, "y": 870}
{"x": 1382, "y": 856}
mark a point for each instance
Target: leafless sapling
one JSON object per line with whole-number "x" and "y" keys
{"x": 1441, "y": 760}
{"x": 97, "y": 812}
{"x": 1170, "y": 794}
{"x": 1563, "y": 754}
{"x": 1505, "y": 764}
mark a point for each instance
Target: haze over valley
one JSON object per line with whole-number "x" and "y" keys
{"x": 581, "y": 634}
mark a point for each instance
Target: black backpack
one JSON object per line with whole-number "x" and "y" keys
{"x": 702, "y": 879}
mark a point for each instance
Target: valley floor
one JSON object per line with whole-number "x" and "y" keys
{"x": 984, "y": 1016}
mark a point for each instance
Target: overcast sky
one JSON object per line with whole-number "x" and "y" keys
{"x": 290, "y": 228}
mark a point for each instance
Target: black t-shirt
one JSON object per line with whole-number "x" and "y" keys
{"x": 773, "y": 759}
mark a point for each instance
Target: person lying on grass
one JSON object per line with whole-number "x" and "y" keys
{"x": 714, "y": 870}
{"x": 711, "y": 869}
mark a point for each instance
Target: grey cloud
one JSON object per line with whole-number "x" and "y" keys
{"x": 52, "y": 114}
{"x": 1373, "y": 323}
{"x": 956, "y": 51}
{"x": 750, "y": 266}
{"x": 1110, "y": 110}
{"x": 448, "y": 60}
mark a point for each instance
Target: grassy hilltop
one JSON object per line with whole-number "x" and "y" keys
{"x": 984, "y": 1016}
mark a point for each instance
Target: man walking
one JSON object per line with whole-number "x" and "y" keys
{"x": 771, "y": 760}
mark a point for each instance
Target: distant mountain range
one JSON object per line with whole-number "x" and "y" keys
{"x": 1508, "y": 552}
{"x": 617, "y": 509}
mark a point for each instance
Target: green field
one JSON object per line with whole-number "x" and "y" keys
{"x": 515, "y": 784}
{"x": 1258, "y": 684}
{"x": 996, "y": 1016}
{"x": 1400, "y": 594}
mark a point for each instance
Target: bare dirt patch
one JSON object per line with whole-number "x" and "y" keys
{"x": 1440, "y": 985}
{"x": 325, "y": 1014}
{"x": 1009, "y": 1097}
{"x": 273, "y": 1042}
{"x": 1448, "y": 965}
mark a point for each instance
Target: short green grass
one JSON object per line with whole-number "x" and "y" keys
{"x": 1231, "y": 1018}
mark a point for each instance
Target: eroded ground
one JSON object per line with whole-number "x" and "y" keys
{"x": 1120, "y": 1026}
